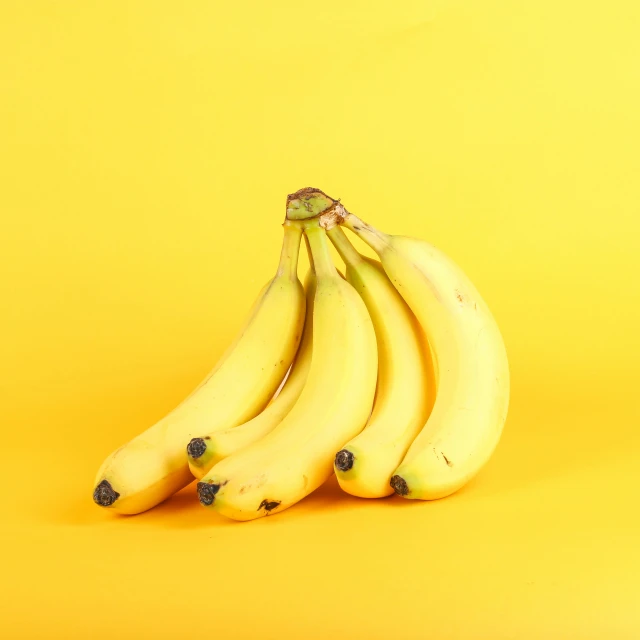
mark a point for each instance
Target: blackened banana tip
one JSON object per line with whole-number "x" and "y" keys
{"x": 399, "y": 485}
{"x": 104, "y": 494}
{"x": 207, "y": 493}
{"x": 196, "y": 448}
{"x": 344, "y": 460}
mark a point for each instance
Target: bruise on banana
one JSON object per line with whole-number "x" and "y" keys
{"x": 269, "y": 505}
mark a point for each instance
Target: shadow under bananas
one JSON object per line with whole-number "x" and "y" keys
{"x": 183, "y": 511}
{"x": 187, "y": 513}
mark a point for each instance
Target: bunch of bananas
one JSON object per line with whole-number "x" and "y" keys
{"x": 393, "y": 376}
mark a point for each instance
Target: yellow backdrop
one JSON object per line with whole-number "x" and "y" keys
{"x": 146, "y": 149}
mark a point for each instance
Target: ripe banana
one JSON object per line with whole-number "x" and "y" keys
{"x": 406, "y": 387}
{"x": 472, "y": 395}
{"x": 208, "y": 450}
{"x": 153, "y": 465}
{"x": 297, "y": 456}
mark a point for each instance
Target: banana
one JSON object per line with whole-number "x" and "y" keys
{"x": 297, "y": 456}
{"x": 472, "y": 395}
{"x": 208, "y": 450}
{"x": 406, "y": 387}
{"x": 153, "y": 465}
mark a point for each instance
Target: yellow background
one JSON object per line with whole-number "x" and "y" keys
{"x": 146, "y": 149}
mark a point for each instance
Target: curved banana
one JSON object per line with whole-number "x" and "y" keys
{"x": 208, "y": 450}
{"x": 153, "y": 465}
{"x": 406, "y": 387}
{"x": 472, "y": 395}
{"x": 297, "y": 456}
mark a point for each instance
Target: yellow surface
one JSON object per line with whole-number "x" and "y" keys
{"x": 145, "y": 152}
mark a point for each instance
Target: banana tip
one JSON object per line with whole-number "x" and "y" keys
{"x": 344, "y": 460}
{"x": 207, "y": 493}
{"x": 104, "y": 494}
{"x": 399, "y": 485}
{"x": 196, "y": 448}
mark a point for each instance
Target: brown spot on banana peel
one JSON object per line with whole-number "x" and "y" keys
{"x": 449, "y": 463}
{"x": 435, "y": 453}
{"x": 269, "y": 505}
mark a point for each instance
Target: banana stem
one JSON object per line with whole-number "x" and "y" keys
{"x": 311, "y": 265}
{"x": 344, "y": 247}
{"x": 308, "y": 203}
{"x": 377, "y": 240}
{"x": 290, "y": 250}
{"x": 321, "y": 256}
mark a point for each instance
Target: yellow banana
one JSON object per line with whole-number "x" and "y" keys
{"x": 406, "y": 388}
{"x": 297, "y": 456}
{"x": 472, "y": 396}
{"x": 208, "y": 450}
{"x": 153, "y": 465}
